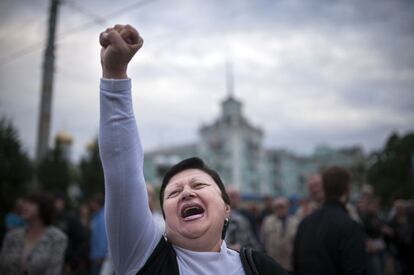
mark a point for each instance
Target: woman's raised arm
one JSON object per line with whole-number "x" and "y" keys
{"x": 132, "y": 235}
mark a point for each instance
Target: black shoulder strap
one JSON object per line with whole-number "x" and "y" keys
{"x": 257, "y": 263}
{"x": 247, "y": 261}
{"x": 163, "y": 261}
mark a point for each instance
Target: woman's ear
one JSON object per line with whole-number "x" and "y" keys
{"x": 228, "y": 210}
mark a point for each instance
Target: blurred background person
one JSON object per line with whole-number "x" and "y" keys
{"x": 240, "y": 232}
{"x": 315, "y": 197}
{"x": 366, "y": 195}
{"x": 402, "y": 238}
{"x": 278, "y": 233}
{"x": 375, "y": 244}
{"x": 98, "y": 240}
{"x": 14, "y": 218}
{"x": 268, "y": 209}
{"x": 156, "y": 215}
{"x": 328, "y": 241}
{"x": 85, "y": 214}
{"x": 70, "y": 223}
{"x": 37, "y": 248}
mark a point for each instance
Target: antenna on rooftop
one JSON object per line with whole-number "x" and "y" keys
{"x": 229, "y": 75}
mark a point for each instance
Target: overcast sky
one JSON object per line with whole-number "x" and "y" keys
{"x": 339, "y": 73}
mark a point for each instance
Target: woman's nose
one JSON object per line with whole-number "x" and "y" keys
{"x": 187, "y": 194}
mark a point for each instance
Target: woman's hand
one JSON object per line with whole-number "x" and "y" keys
{"x": 119, "y": 45}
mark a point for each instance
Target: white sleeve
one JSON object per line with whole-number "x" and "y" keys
{"x": 132, "y": 234}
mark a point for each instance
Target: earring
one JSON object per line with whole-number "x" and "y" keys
{"x": 226, "y": 224}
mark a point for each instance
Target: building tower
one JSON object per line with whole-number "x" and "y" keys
{"x": 65, "y": 141}
{"x": 232, "y": 145}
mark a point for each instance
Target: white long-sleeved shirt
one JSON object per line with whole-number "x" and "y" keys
{"x": 132, "y": 234}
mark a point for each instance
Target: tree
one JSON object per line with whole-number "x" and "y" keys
{"x": 54, "y": 171}
{"x": 392, "y": 169}
{"x": 15, "y": 167}
{"x": 91, "y": 176}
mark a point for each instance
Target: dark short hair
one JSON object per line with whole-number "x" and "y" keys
{"x": 192, "y": 163}
{"x": 336, "y": 181}
{"x": 45, "y": 205}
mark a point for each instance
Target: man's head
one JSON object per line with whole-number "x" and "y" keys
{"x": 195, "y": 204}
{"x": 314, "y": 185}
{"x": 281, "y": 206}
{"x": 367, "y": 191}
{"x": 336, "y": 183}
{"x": 96, "y": 202}
{"x": 268, "y": 202}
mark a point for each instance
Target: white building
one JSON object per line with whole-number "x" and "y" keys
{"x": 234, "y": 147}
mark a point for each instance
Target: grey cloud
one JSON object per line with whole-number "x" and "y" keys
{"x": 328, "y": 69}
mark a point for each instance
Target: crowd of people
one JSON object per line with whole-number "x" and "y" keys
{"x": 45, "y": 236}
{"x": 387, "y": 237}
{"x": 75, "y": 242}
{"x": 202, "y": 226}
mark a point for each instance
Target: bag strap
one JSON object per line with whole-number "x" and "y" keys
{"x": 246, "y": 258}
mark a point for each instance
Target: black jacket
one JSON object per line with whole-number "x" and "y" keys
{"x": 329, "y": 242}
{"x": 163, "y": 261}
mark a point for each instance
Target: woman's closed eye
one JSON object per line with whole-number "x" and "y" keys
{"x": 173, "y": 193}
{"x": 199, "y": 185}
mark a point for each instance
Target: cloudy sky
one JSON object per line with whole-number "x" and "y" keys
{"x": 339, "y": 73}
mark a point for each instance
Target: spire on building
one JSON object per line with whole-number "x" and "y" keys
{"x": 231, "y": 107}
{"x": 229, "y": 78}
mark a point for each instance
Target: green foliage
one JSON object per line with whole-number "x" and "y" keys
{"x": 392, "y": 169}
{"x": 15, "y": 167}
{"x": 54, "y": 171}
{"x": 91, "y": 177}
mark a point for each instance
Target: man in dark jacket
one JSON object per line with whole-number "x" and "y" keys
{"x": 329, "y": 241}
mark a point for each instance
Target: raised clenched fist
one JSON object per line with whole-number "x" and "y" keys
{"x": 119, "y": 45}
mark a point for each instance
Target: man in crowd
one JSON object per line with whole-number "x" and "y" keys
{"x": 315, "y": 199}
{"x": 278, "y": 233}
{"x": 328, "y": 241}
{"x": 402, "y": 237}
{"x": 240, "y": 231}
{"x": 156, "y": 215}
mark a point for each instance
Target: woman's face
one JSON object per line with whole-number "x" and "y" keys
{"x": 30, "y": 210}
{"x": 194, "y": 211}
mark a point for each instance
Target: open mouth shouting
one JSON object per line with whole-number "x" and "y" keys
{"x": 193, "y": 211}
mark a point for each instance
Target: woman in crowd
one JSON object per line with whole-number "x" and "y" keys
{"x": 193, "y": 199}
{"x": 37, "y": 248}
